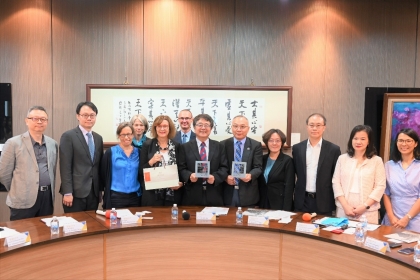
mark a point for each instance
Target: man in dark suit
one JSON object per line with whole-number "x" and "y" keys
{"x": 203, "y": 191}
{"x": 314, "y": 160}
{"x": 242, "y": 191}
{"x": 184, "y": 135}
{"x": 81, "y": 152}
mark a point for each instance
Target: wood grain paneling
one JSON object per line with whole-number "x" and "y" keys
{"x": 189, "y": 42}
{"x": 35, "y": 262}
{"x": 218, "y": 254}
{"x": 302, "y": 256}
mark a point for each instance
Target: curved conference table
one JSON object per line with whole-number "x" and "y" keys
{"x": 162, "y": 249}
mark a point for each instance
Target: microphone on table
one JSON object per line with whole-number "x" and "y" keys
{"x": 106, "y": 213}
{"x": 185, "y": 215}
{"x": 307, "y": 217}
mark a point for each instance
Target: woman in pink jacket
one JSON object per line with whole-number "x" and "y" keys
{"x": 359, "y": 179}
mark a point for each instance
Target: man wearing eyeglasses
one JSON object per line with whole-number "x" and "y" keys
{"x": 203, "y": 191}
{"x": 27, "y": 169}
{"x": 81, "y": 152}
{"x": 314, "y": 160}
{"x": 240, "y": 148}
{"x": 184, "y": 135}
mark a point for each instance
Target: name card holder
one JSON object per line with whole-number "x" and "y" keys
{"x": 258, "y": 220}
{"x": 135, "y": 219}
{"x": 378, "y": 246}
{"x": 203, "y": 216}
{"x": 75, "y": 227}
{"x": 18, "y": 239}
{"x": 307, "y": 228}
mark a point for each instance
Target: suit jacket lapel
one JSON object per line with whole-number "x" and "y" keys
{"x": 277, "y": 164}
{"x": 194, "y": 148}
{"x": 211, "y": 150}
{"x": 82, "y": 139}
{"x": 303, "y": 157}
{"x": 322, "y": 155}
{"x": 28, "y": 143}
{"x": 230, "y": 150}
{"x": 246, "y": 152}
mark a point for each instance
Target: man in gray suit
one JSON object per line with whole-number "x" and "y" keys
{"x": 27, "y": 169}
{"x": 184, "y": 135}
{"x": 244, "y": 191}
{"x": 81, "y": 152}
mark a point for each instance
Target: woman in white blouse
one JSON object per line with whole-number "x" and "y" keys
{"x": 359, "y": 178}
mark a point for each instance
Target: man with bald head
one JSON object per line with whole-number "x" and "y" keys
{"x": 185, "y": 118}
{"x": 240, "y": 148}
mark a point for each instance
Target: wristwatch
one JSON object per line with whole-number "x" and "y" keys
{"x": 409, "y": 216}
{"x": 367, "y": 206}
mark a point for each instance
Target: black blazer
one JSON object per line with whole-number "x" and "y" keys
{"x": 148, "y": 198}
{"x": 253, "y": 156}
{"x": 178, "y": 138}
{"x": 77, "y": 170}
{"x": 277, "y": 192}
{"x": 326, "y": 166}
{"x": 193, "y": 193}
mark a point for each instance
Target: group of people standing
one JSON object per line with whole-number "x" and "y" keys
{"x": 316, "y": 179}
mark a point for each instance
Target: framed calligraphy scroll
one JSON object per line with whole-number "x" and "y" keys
{"x": 265, "y": 107}
{"x": 400, "y": 111}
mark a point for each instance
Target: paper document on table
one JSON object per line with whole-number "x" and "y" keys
{"x": 405, "y": 236}
{"x": 216, "y": 210}
{"x": 6, "y": 232}
{"x": 123, "y": 213}
{"x": 255, "y": 212}
{"x": 63, "y": 220}
{"x": 278, "y": 214}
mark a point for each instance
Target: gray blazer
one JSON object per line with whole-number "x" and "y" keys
{"x": 77, "y": 170}
{"x": 19, "y": 170}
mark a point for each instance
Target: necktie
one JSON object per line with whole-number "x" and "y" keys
{"x": 91, "y": 145}
{"x": 238, "y": 157}
{"x": 184, "y": 138}
{"x": 203, "y": 154}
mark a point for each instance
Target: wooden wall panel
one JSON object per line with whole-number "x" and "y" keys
{"x": 283, "y": 43}
{"x": 189, "y": 42}
{"x": 368, "y": 43}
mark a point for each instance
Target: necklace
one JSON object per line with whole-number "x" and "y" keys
{"x": 162, "y": 149}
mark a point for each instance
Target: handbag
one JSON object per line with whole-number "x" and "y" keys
{"x": 161, "y": 177}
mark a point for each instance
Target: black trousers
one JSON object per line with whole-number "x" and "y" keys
{"x": 43, "y": 207}
{"x": 83, "y": 204}
{"x": 124, "y": 200}
{"x": 310, "y": 206}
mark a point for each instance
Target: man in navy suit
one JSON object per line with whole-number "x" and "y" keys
{"x": 244, "y": 191}
{"x": 185, "y": 135}
{"x": 314, "y": 160}
{"x": 81, "y": 152}
{"x": 203, "y": 191}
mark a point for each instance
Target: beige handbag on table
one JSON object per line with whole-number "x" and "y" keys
{"x": 161, "y": 177}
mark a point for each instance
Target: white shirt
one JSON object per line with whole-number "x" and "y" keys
{"x": 312, "y": 158}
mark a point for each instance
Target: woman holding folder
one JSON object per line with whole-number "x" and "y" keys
{"x": 157, "y": 152}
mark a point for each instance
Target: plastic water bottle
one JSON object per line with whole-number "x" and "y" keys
{"x": 416, "y": 256}
{"x": 239, "y": 216}
{"x": 363, "y": 220}
{"x": 174, "y": 212}
{"x": 359, "y": 233}
{"x": 113, "y": 216}
{"x": 55, "y": 226}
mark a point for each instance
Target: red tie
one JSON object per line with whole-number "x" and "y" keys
{"x": 203, "y": 154}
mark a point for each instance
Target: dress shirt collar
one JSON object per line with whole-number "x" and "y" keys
{"x": 318, "y": 145}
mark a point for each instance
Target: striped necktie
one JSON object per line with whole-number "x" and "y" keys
{"x": 203, "y": 154}
{"x": 184, "y": 138}
{"x": 238, "y": 157}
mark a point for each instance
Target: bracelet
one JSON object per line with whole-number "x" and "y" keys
{"x": 409, "y": 216}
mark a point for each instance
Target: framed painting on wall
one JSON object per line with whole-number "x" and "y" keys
{"x": 400, "y": 111}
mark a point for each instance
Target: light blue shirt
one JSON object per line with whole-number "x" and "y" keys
{"x": 125, "y": 171}
{"x": 242, "y": 146}
{"x": 268, "y": 167}
{"x": 187, "y": 136}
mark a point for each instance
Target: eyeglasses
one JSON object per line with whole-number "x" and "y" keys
{"x": 274, "y": 141}
{"x": 42, "y": 120}
{"x": 201, "y": 125}
{"x": 128, "y": 135}
{"x": 317, "y": 126}
{"x": 407, "y": 141}
{"x": 242, "y": 127}
{"x": 86, "y": 116}
{"x": 162, "y": 127}
{"x": 184, "y": 119}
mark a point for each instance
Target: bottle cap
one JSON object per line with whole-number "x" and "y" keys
{"x": 175, "y": 205}
{"x": 56, "y": 217}
{"x": 113, "y": 208}
{"x": 239, "y": 208}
